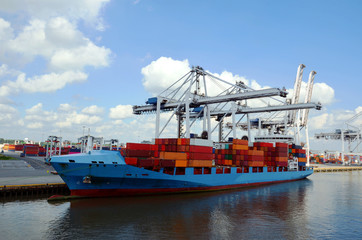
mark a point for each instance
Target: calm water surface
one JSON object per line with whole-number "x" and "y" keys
{"x": 325, "y": 206}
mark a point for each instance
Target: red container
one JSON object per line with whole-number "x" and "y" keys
{"x": 200, "y": 156}
{"x": 167, "y": 163}
{"x": 131, "y": 161}
{"x": 140, "y": 146}
{"x": 200, "y": 149}
{"x": 279, "y": 144}
{"x": 281, "y": 164}
{"x": 19, "y": 147}
{"x": 139, "y": 153}
{"x": 149, "y": 162}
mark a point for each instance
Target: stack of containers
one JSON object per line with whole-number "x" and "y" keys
{"x": 65, "y": 150}
{"x": 240, "y": 150}
{"x": 170, "y": 152}
{"x": 31, "y": 150}
{"x": 238, "y": 153}
{"x": 184, "y": 152}
{"x": 268, "y": 150}
{"x": 11, "y": 148}
{"x": 255, "y": 158}
{"x": 6, "y": 146}
{"x": 299, "y": 152}
{"x": 281, "y": 154}
{"x": 42, "y": 151}
{"x": 19, "y": 147}
{"x": 224, "y": 155}
{"x": 140, "y": 154}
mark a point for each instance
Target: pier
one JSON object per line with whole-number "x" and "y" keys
{"x": 337, "y": 168}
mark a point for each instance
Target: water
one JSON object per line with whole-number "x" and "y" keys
{"x": 325, "y": 206}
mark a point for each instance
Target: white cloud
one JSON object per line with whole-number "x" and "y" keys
{"x": 77, "y": 58}
{"x": 358, "y": 109}
{"x": 85, "y": 10}
{"x": 6, "y": 71}
{"x": 160, "y": 74}
{"x": 321, "y": 121}
{"x": 7, "y": 109}
{"x": 79, "y": 118}
{"x": 57, "y": 41}
{"x": 37, "y": 114}
{"x": 322, "y": 93}
{"x": 44, "y": 83}
{"x": 35, "y": 125}
{"x": 66, "y": 117}
{"x": 93, "y": 110}
{"x": 335, "y": 120}
{"x": 51, "y": 33}
{"x": 65, "y": 107}
{"x": 121, "y": 112}
{"x": 8, "y": 115}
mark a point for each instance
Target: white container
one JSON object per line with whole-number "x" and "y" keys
{"x": 201, "y": 142}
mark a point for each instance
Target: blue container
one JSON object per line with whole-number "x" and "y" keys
{"x": 152, "y": 100}
{"x": 197, "y": 109}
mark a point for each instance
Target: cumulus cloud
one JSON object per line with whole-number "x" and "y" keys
{"x": 93, "y": 110}
{"x": 6, "y": 71}
{"x": 48, "y": 34}
{"x": 57, "y": 41}
{"x": 8, "y": 114}
{"x": 77, "y": 58}
{"x": 163, "y": 72}
{"x": 337, "y": 119}
{"x": 160, "y": 74}
{"x": 121, "y": 112}
{"x": 65, "y": 117}
{"x": 35, "y": 125}
{"x": 44, "y": 83}
{"x": 85, "y": 10}
{"x": 65, "y": 107}
{"x": 322, "y": 93}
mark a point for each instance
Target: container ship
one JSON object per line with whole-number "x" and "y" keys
{"x": 189, "y": 163}
{"x": 179, "y": 165}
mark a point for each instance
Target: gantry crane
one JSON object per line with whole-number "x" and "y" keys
{"x": 348, "y": 135}
{"x": 53, "y": 147}
{"x": 189, "y": 98}
{"x": 295, "y": 119}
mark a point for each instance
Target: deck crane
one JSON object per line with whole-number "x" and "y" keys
{"x": 191, "y": 98}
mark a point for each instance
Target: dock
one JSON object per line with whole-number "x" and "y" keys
{"x": 26, "y": 177}
{"x": 337, "y": 168}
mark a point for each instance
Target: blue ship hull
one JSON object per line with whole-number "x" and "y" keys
{"x": 105, "y": 173}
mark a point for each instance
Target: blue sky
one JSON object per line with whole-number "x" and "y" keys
{"x": 96, "y": 50}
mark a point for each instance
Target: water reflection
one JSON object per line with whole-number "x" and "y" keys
{"x": 242, "y": 214}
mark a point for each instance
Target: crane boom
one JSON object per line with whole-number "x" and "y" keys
{"x": 296, "y": 93}
{"x": 308, "y": 97}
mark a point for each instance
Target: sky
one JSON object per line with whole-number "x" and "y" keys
{"x": 68, "y": 66}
